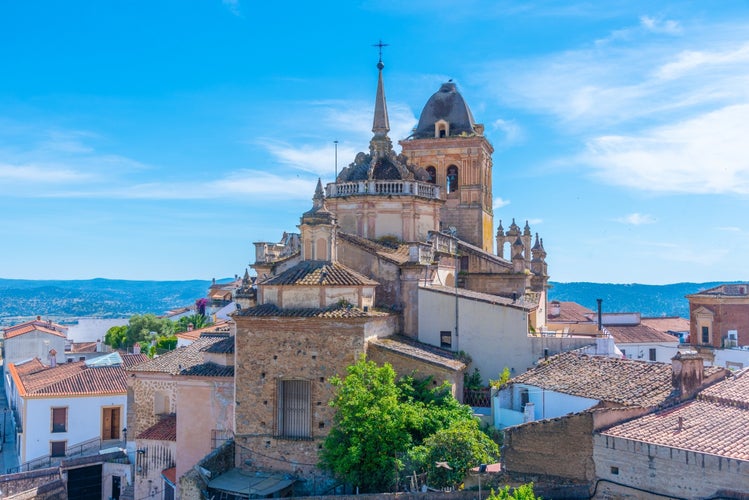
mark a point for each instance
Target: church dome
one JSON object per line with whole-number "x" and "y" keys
{"x": 449, "y": 106}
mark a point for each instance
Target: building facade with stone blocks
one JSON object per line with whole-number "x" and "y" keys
{"x": 719, "y": 317}
{"x": 182, "y": 400}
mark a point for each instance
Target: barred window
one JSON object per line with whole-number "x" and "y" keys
{"x": 446, "y": 339}
{"x": 294, "y": 408}
{"x": 57, "y": 448}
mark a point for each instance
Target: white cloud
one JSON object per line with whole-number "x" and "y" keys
{"x": 232, "y": 6}
{"x": 499, "y": 203}
{"x": 636, "y": 219}
{"x": 668, "y": 26}
{"x": 39, "y": 174}
{"x": 705, "y": 154}
{"x": 511, "y": 131}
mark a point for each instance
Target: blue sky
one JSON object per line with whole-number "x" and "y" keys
{"x": 159, "y": 140}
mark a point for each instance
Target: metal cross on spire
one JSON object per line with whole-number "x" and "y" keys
{"x": 380, "y": 45}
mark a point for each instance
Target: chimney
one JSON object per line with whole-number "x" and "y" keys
{"x": 687, "y": 373}
{"x": 136, "y": 348}
{"x": 38, "y": 318}
{"x": 52, "y": 358}
{"x": 190, "y": 327}
{"x": 556, "y": 308}
{"x": 600, "y": 315}
{"x": 98, "y": 345}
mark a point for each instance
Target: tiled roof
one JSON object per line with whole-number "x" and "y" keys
{"x": 81, "y": 347}
{"x": 174, "y": 362}
{"x": 716, "y": 422}
{"x": 163, "y": 430}
{"x": 639, "y": 334}
{"x": 397, "y": 254}
{"x": 129, "y": 360}
{"x": 27, "y": 328}
{"x": 667, "y": 324}
{"x": 615, "y": 380}
{"x": 727, "y": 290}
{"x": 221, "y": 326}
{"x": 520, "y": 303}
{"x": 208, "y": 370}
{"x": 320, "y": 273}
{"x": 336, "y": 311}
{"x": 224, "y": 346}
{"x": 37, "y": 322}
{"x": 417, "y": 350}
{"x": 70, "y": 379}
{"x": 571, "y": 312}
{"x": 30, "y": 366}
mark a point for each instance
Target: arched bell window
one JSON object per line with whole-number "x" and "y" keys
{"x": 452, "y": 179}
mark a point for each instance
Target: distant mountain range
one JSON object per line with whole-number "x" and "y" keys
{"x": 58, "y": 299}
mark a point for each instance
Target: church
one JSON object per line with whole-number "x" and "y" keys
{"x": 395, "y": 259}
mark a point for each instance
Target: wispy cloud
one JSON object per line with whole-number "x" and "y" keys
{"x": 232, "y": 6}
{"x": 511, "y": 132}
{"x": 499, "y": 203}
{"x": 655, "y": 25}
{"x": 39, "y": 174}
{"x": 636, "y": 219}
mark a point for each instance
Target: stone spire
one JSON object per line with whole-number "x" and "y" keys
{"x": 318, "y": 200}
{"x": 380, "y": 145}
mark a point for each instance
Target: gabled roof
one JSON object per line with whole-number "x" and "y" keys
{"x": 220, "y": 326}
{"x": 667, "y": 324}
{"x": 320, "y": 273}
{"x": 178, "y": 361}
{"x": 36, "y": 322}
{"x": 163, "y": 430}
{"x": 18, "y": 330}
{"x": 715, "y": 423}
{"x": 68, "y": 380}
{"x": 422, "y": 352}
{"x": 397, "y": 253}
{"x": 570, "y": 312}
{"x": 623, "y": 381}
{"x": 639, "y": 334}
{"x": 223, "y": 346}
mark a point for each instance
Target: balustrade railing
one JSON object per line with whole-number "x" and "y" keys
{"x": 380, "y": 187}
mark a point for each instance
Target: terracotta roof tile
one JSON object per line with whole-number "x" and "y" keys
{"x": 638, "y": 334}
{"x": 336, "y": 311}
{"x": 320, "y": 273}
{"x": 221, "y": 326}
{"x": 734, "y": 390}
{"x": 700, "y": 426}
{"x": 208, "y": 370}
{"x": 224, "y": 346}
{"x": 71, "y": 379}
{"x": 667, "y": 324}
{"x": 571, "y": 312}
{"x": 623, "y": 381}
{"x": 397, "y": 254}
{"x": 129, "y": 360}
{"x": 24, "y": 329}
{"x": 418, "y": 350}
{"x": 163, "y": 430}
{"x": 174, "y": 362}
{"x": 81, "y": 347}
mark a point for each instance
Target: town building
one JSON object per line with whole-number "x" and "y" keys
{"x": 697, "y": 449}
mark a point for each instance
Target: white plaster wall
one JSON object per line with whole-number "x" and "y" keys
{"x": 84, "y": 422}
{"x": 663, "y": 351}
{"x": 34, "y": 344}
{"x": 732, "y": 358}
{"x": 494, "y": 335}
{"x": 547, "y": 404}
{"x": 663, "y": 470}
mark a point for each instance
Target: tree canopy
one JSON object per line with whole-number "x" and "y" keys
{"x": 140, "y": 329}
{"x": 383, "y": 426}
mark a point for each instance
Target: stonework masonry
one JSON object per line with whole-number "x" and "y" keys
{"x": 147, "y": 389}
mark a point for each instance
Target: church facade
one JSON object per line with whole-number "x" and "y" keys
{"x": 390, "y": 229}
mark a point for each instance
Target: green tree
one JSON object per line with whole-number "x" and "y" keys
{"x": 197, "y": 320}
{"x": 115, "y": 336}
{"x": 522, "y": 492}
{"x": 450, "y": 453}
{"x": 370, "y": 428}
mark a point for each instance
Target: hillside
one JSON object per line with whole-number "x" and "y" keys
{"x": 649, "y": 300}
{"x": 57, "y": 299}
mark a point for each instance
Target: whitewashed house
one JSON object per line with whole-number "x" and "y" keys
{"x": 64, "y": 409}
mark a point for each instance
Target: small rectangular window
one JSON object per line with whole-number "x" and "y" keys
{"x": 615, "y": 470}
{"x": 446, "y": 339}
{"x": 57, "y": 448}
{"x": 651, "y": 356}
{"x": 59, "y": 419}
{"x": 705, "y": 334}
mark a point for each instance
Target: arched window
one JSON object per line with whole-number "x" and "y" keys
{"x": 432, "y": 174}
{"x": 452, "y": 179}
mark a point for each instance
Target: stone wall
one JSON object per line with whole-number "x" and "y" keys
{"x": 560, "y": 447}
{"x": 144, "y": 388}
{"x": 271, "y": 349}
{"x": 42, "y": 483}
{"x": 220, "y": 460}
{"x": 633, "y": 469}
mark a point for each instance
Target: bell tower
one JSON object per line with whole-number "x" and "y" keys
{"x": 453, "y": 151}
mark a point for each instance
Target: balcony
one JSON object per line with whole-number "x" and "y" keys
{"x": 384, "y": 187}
